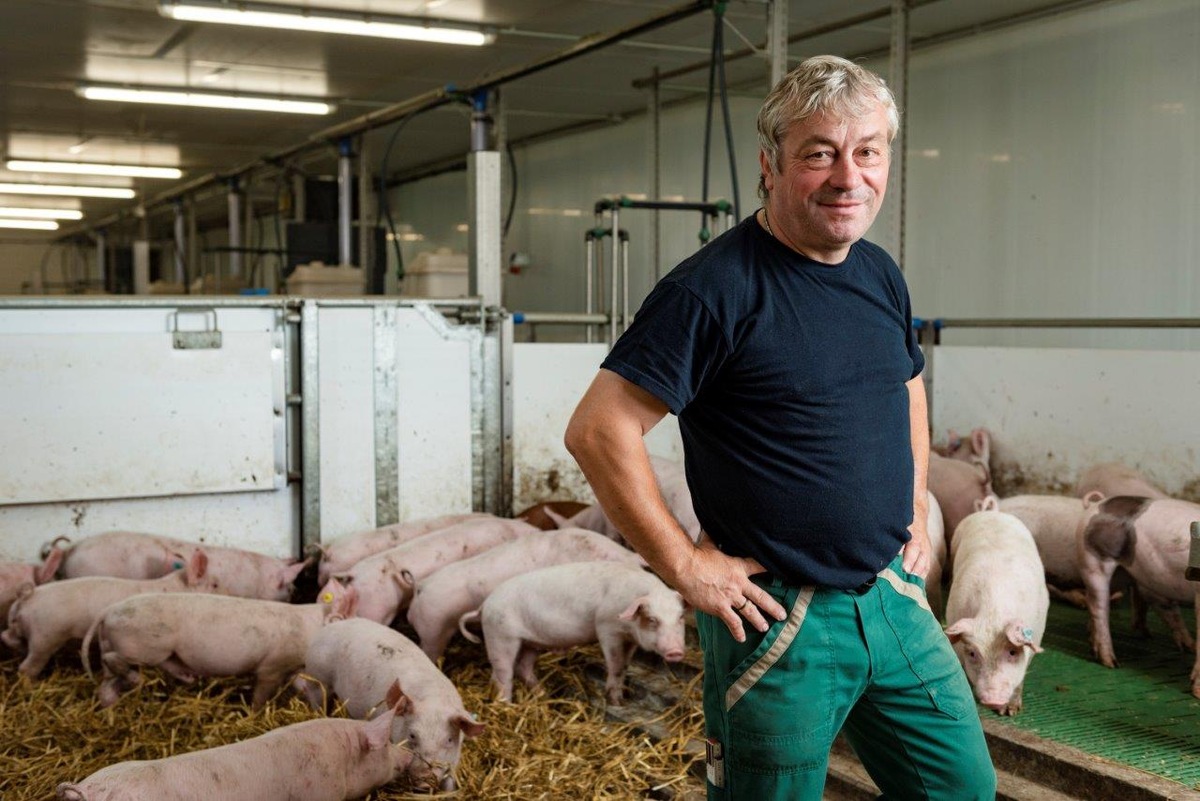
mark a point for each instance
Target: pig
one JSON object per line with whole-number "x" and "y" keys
{"x": 620, "y": 605}
{"x": 357, "y": 660}
{"x": 329, "y": 759}
{"x": 1054, "y": 521}
{"x": 130, "y": 554}
{"x": 957, "y": 485}
{"x": 1150, "y": 538}
{"x": 997, "y": 605}
{"x": 672, "y": 484}
{"x": 976, "y": 448}
{"x": 15, "y": 575}
{"x": 935, "y": 526}
{"x": 191, "y": 635}
{"x": 1113, "y": 478}
{"x": 443, "y": 596}
{"x": 344, "y": 552}
{"x": 385, "y": 581}
{"x": 49, "y": 617}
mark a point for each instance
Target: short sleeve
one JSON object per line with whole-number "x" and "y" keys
{"x": 673, "y": 346}
{"x": 914, "y": 349}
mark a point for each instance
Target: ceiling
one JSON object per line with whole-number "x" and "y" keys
{"x": 49, "y": 47}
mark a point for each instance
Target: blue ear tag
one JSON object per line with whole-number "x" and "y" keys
{"x": 177, "y": 565}
{"x": 1028, "y": 634}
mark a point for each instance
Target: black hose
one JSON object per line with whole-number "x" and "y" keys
{"x": 512, "y": 200}
{"x": 384, "y": 206}
{"x": 720, "y": 55}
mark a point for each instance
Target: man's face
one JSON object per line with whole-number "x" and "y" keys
{"x": 832, "y": 178}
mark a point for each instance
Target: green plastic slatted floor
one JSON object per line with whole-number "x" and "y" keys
{"x": 1141, "y": 714}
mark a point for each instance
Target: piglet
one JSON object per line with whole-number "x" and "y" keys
{"x": 550, "y": 514}
{"x": 210, "y": 635}
{"x": 130, "y": 554}
{"x": 344, "y": 552}
{"x": 330, "y": 759}
{"x": 357, "y": 660}
{"x": 620, "y": 605}
{"x": 935, "y": 527}
{"x": 672, "y": 484}
{"x": 49, "y": 617}
{"x": 996, "y": 609}
{"x": 1150, "y": 538}
{"x": 445, "y": 595}
{"x": 16, "y": 575}
{"x": 1113, "y": 478}
{"x": 385, "y": 581}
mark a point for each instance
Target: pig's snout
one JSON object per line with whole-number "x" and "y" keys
{"x": 673, "y": 655}
{"x": 448, "y": 785}
{"x": 994, "y": 701}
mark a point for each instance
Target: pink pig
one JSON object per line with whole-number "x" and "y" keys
{"x": 445, "y": 595}
{"x": 330, "y": 759}
{"x": 130, "y": 554}
{"x": 672, "y": 483}
{"x": 620, "y": 605}
{"x": 49, "y": 617}
{"x": 15, "y": 575}
{"x": 344, "y": 552}
{"x": 385, "y": 581}
{"x": 1150, "y": 538}
{"x": 1113, "y": 478}
{"x": 210, "y": 635}
{"x": 357, "y": 660}
{"x": 997, "y": 606}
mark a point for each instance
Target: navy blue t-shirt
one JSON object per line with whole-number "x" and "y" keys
{"x": 788, "y": 377}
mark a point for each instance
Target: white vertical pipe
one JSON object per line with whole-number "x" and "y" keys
{"x": 898, "y": 80}
{"x": 345, "y": 202}
{"x": 235, "y": 230}
{"x": 777, "y": 40}
{"x": 180, "y": 243}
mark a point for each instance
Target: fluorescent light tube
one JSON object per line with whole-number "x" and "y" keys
{"x": 68, "y": 191}
{"x": 85, "y": 168}
{"x": 261, "y": 15}
{"x": 40, "y": 214}
{"x": 32, "y": 225}
{"x": 204, "y": 100}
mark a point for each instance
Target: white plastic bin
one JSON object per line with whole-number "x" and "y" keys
{"x": 440, "y": 274}
{"x": 317, "y": 279}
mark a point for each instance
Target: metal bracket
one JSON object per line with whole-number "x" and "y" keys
{"x": 208, "y": 339}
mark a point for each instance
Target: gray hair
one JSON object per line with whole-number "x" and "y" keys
{"x": 820, "y": 85}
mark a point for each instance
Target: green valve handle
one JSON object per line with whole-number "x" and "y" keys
{"x": 1193, "y": 566}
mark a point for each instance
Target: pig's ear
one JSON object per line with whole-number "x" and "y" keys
{"x": 292, "y": 571}
{"x": 981, "y": 443}
{"x": 632, "y": 610}
{"x": 1092, "y": 498}
{"x": 988, "y": 503}
{"x": 960, "y": 628}
{"x": 559, "y": 520}
{"x": 470, "y": 726}
{"x": 405, "y": 579}
{"x": 1020, "y": 634}
{"x": 953, "y": 440}
{"x": 378, "y": 733}
{"x": 396, "y": 700}
{"x": 50, "y": 566}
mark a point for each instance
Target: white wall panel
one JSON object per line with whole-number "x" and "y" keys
{"x": 1055, "y": 411}
{"x": 548, "y": 381}
{"x": 347, "y": 428}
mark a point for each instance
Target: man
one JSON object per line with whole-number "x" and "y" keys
{"x": 786, "y": 349}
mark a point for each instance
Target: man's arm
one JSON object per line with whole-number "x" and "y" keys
{"x": 917, "y": 551}
{"x": 605, "y": 437}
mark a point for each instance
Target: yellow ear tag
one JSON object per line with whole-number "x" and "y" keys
{"x": 327, "y": 598}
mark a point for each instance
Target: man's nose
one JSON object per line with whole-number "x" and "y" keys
{"x": 846, "y": 174}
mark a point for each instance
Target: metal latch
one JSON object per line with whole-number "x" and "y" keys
{"x": 208, "y": 339}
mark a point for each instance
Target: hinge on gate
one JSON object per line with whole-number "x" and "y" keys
{"x": 208, "y": 339}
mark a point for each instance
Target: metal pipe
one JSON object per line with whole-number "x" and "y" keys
{"x": 102, "y": 258}
{"x": 560, "y": 318}
{"x": 180, "y": 243}
{"x": 1061, "y": 322}
{"x": 616, "y": 266}
{"x": 777, "y": 40}
{"x": 898, "y": 79}
{"x": 589, "y": 244}
{"x": 372, "y": 280}
{"x": 345, "y": 201}
{"x": 235, "y": 230}
{"x": 624, "y": 240}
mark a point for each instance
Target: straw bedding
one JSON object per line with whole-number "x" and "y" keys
{"x": 556, "y": 743}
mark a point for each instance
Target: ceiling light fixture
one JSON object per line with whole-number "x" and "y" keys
{"x": 32, "y": 225}
{"x": 85, "y": 168}
{"x": 67, "y": 191}
{"x": 10, "y": 212}
{"x": 172, "y": 97}
{"x": 264, "y": 15}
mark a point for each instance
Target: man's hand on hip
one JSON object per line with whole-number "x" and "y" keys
{"x": 720, "y": 585}
{"x": 917, "y": 551}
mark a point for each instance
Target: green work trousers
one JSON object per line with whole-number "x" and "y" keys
{"x": 872, "y": 663}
